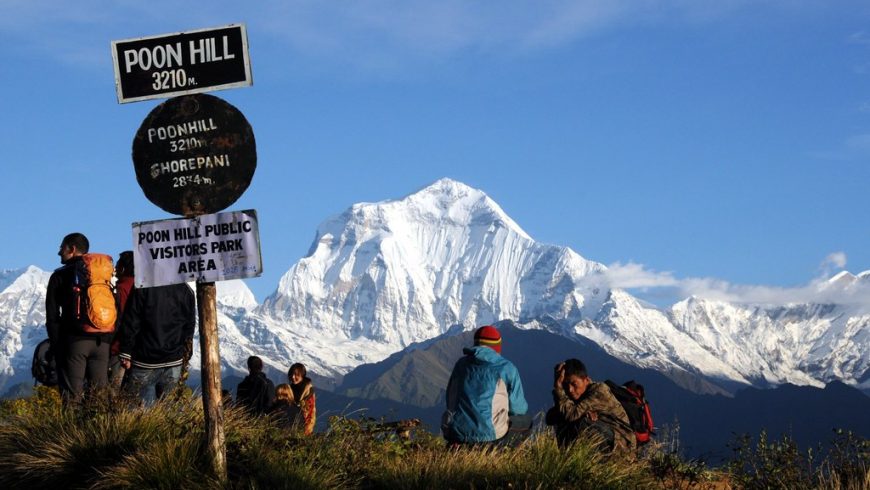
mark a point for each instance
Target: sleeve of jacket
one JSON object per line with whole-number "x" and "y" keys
{"x": 310, "y": 413}
{"x": 450, "y": 396}
{"x": 516, "y": 397}
{"x": 190, "y": 319}
{"x": 131, "y": 323}
{"x": 594, "y": 401}
{"x": 242, "y": 392}
{"x": 52, "y": 308}
{"x": 123, "y": 295}
{"x": 269, "y": 395}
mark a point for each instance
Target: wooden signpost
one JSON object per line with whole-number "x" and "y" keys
{"x": 194, "y": 155}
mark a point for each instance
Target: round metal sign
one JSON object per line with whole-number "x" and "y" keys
{"x": 194, "y": 154}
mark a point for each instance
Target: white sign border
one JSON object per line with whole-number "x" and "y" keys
{"x": 116, "y": 67}
{"x": 140, "y": 279}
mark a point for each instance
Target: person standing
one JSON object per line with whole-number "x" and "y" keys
{"x": 123, "y": 287}
{"x": 484, "y": 393}
{"x": 78, "y": 355}
{"x": 156, "y": 334}
{"x": 256, "y": 392}
{"x": 303, "y": 396}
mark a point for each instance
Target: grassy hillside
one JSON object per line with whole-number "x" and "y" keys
{"x": 107, "y": 445}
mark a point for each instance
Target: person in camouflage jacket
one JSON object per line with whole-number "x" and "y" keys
{"x": 584, "y": 408}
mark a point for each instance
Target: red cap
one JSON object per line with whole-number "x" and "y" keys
{"x": 488, "y": 336}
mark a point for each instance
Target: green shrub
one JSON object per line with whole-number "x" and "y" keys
{"x": 847, "y": 465}
{"x": 781, "y": 464}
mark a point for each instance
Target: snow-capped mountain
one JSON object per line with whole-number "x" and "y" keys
{"x": 803, "y": 344}
{"x": 22, "y": 319}
{"x": 22, "y": 322}
{"x": 382, "y": 276}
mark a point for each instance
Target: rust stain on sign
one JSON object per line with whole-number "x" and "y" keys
{"x": 194, "y": 154}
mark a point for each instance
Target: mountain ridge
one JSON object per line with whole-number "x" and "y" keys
{"x": 418, "y": 378}
{"x": 380, "y": 277}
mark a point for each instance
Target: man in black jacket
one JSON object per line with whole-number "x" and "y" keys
{"x": 76, "y": 353}
{"x": 256, "y": 392}
{"x": 156, "y": 338}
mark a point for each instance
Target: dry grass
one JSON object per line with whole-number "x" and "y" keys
{"x": 108, "y": 445}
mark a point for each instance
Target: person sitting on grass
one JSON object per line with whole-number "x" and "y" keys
{"x": 588, "y": 410}
{"x": 285, "y": 409}
{"x": 256, "y": 392}
{"x": 484, "y": 394}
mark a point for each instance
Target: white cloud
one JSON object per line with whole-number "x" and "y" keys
{"x": 632, "y": 275}
{"x": 860, "y": 37}
{"x": 836, "y": 259}
{"x": 853, "y": 147}
{"x": 361, "y": 33}
{"x": 664, "y": 285}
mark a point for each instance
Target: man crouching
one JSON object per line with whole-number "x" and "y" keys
{"x": 586, "y": 409}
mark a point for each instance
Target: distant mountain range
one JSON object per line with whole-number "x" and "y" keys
{"x": 384, "y": 276}
{"x": 415, "y": 380}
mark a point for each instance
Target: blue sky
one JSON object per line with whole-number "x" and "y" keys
{"x": 696, "y": 143}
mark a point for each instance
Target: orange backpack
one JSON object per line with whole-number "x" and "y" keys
{"x": 95, "y": 307}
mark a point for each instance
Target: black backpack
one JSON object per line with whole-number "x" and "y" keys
{"x": 633, "y": 399}
{"x": 43, "y": 368}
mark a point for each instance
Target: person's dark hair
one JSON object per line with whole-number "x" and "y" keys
{"x": 575, "y": 367}
{"x": 77, "y": 240}
{"x": 124, "y": 266}
{"x": 298, "y": 366}
{"x": 255, "y": 364}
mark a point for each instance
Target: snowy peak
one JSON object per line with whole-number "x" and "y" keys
{"x": 402, "y": 271}
{"x": 845, "y": 289}
{"x": 800, "y": 343}
{"x": 445, "y": 203}
{"x": 31, "y": 279}
{"x": 7, "y": 276}
{"x": 235, "y": 294}
{"x": 459, "y": 204}
{"x": 22, "y": 319}
{"x": 845, "y": 280}
{"x": 842, "y": 280}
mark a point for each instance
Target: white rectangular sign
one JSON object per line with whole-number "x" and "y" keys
{"x": 208, "y": 248}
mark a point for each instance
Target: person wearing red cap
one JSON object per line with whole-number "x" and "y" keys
{"x": 483, "y": 394}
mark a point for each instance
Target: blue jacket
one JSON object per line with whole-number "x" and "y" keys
{"x": 483, "y": 392}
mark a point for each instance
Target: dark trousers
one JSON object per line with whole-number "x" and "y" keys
{"x": 596, "y": 431}
{"x": 520, "y": 426}
{"x": 83, "y": 358}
